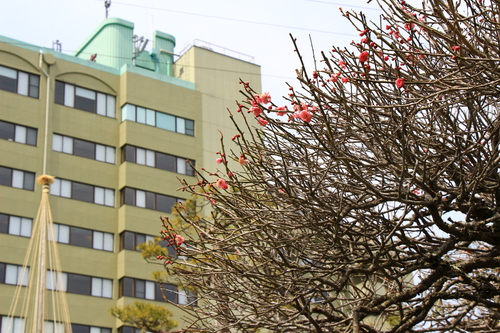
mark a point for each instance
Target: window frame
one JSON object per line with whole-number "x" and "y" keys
{"x": 27, "y": 178}
{"x": 85, "y": 99}
{"x": 7, "y": 225}
{"x": 129, "y": 153}
{"x": 69, "y": 145}
{"x": 128, "y": 196}
{"x": 19, "y": 138}
{"x": 33, "y": 81}
{"x": 133, "y": 112}
{"x": 65, "y": 188}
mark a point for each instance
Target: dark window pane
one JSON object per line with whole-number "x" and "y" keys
{"x": 127, "y": 329}
{"x": 164, "y": 203}
{"x": 8, "y": 84}
{"x": 189, "y": 127}
{"x": 31, "y": 136}
{"x": 105, "y": 330}
{"x": 84, "y": 104}
{"x": 128, "y": 196}
{"x": 80, "y": 237}
{"x": 127, "y": 287}
{"x": 6, "y": 131}
{"x": 140, "y": 289}
{"x": 4, "y": 223}
{"x": 189, "y": 169}
{"x": 5, "y": 176}
{"x": 83, "y": 192}
{"x": 29, "y": 181}
{"x": 139, "y": 239}
{"x": 128, "y": 154}
{"x": 2, "y": 273}
{"x": 170, "y": 292}
{"x": 80, "y": 328}
{"x": 79, "y": 284}
{"x": 158, "y": 293}
{"x": 34, "y": 86}
{"x": 59, "y": 93}
{"x": 150, "y": 200}
{"x": 128, "y": 241}
{"x": 83, "y": 148}
{"x": 165, "y": 162}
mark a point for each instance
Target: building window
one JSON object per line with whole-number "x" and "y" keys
{"x": 17, "y": 178}
{"x": 80, "y": 284}
{"x": 15, "y": 225}
{"x": 18, "y": 133}
{"x": 82, "y": 237}
{"x": 128, "y": 329}
{"x": 13, "y": 274}
{"x": 138, "y": 288}
{"x": 130, "y": 240}
{"x": 149, "y": 200}
{"x": 83, "y": 192}
{"x": 85, "y": 99}
{"x": 19, "y": 82}
{"x": 157, "y": 119}
{"x": 11, "y": 324}
{"x": 77, "y": 328}
{"x": 82, "y": 148}
{"x": 157, "y": 160}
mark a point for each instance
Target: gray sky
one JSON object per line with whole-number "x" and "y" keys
{"x": 258, "y": 28}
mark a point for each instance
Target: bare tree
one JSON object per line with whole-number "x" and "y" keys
{"x": 371, "y": 204}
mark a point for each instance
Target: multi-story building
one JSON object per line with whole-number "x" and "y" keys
{"x": 116, "y": 125}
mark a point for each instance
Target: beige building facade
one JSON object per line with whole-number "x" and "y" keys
{"x": 117, "y": 126}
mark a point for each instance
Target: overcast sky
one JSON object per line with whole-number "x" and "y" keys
{"x": 259, "y": 28}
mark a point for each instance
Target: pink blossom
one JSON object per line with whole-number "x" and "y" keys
{"x": 242, "y": 160}
{"x": 256, "y": 110}
{"x": 282, "y": 110}
{"x": 221, "y": 183}
{"x": 179, "y": 240}
{"x": 219, "y": 160}
{"x": 265, "y": 98}
{"x": 400, "y": 83}
{"x": 305, "y": 116}
{"x": 345, "y": 79}
{"x": 363, "y": 56}
{"x": 262, "y": 121}
{"x": 455, "y": 48}
{"x": 342, "y": 64}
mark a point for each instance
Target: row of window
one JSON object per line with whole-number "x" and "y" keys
{"x": 69, "y": 282}
{"x": 149, "y": 200}
{"x": 17, "y": 178}
{"x": 157, "y": 160}
{"x": 157, "y": 119}
{"x": 18, "y": 133}
{"x": 19, "y": 82}
{"x": 91, "y": 239}
{"x": 90, "y": 193}
{"x": 16, "y": 324}
{"x": 85, "y": 99}
{"x": 155, "y": 291}
{"x": 80, "y": 284}
{"x": 83, "y": 192}
{"x": 83, "y": 148}
{"x": 73, "y": 96}
{"x": 22, "y": 226}
{"x": 99, "y": 287}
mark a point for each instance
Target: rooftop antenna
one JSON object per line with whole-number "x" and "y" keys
{"x": 57, "y": 46}
{"x": 107, "y": 4}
